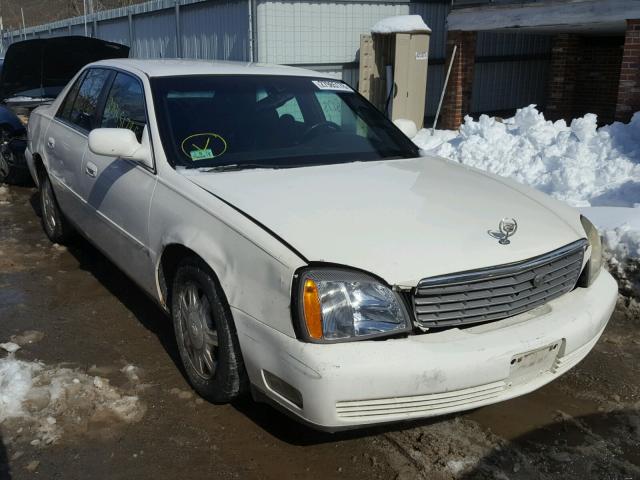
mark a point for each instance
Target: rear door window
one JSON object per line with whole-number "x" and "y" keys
{"x": 125, "y": 106}
{"x": 84, "y": 107}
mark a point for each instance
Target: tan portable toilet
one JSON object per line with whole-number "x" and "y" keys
{"x": 393, "y": 67}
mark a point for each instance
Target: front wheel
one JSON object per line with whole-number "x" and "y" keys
{"x": 53, "y": 222}
{"x": 205, "y": 333}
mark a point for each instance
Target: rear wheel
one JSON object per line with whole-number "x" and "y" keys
{"x": 205, "y": 333}
{"x": 53, "y": 222}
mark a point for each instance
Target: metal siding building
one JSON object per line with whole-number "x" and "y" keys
{"x": 510, "y": 71}
{"x": 316, "y": 33}
{"x": 434, "y": 15}
{"x": 230, "y": 21}
{"x": 323, "y": 35}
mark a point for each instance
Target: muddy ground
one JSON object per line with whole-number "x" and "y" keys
{"x": 85, "y": 318}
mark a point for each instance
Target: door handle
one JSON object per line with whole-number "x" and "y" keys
{"x": 91, "y": 170}
{"x": 51, "y": 142}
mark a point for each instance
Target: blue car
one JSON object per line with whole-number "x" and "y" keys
{"x": 33, "y": 73}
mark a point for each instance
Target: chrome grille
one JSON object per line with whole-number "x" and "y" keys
{"x": 498, "y": 292}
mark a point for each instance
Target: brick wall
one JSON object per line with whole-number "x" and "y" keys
{"x": 561, "y": 84}
{"x": 629, "y": 89}
{"x": 583, "y": 77}
{"x": 457, "y": 100}
{"x": 598, "y": 75}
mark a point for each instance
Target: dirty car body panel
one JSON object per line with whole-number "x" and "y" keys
{"x": 449, "y": 312}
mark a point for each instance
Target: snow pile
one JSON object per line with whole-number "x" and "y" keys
{"x": 431, "y": 141}
{"x": 400, "y": 24}
{"x": 579, "y": 163}
{"x": 39, "y": 403}
{"x": 408, "y": 127}
{"x": 620, "y": 229}
{"x": 10, "y": 347}
{"x": 16, "y": 380}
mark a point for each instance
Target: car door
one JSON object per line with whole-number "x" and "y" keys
{"x": 118, "y": 191}
{"x": 66, "y": 141}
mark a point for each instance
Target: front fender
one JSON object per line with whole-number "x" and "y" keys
{"x": 255, "y": 270}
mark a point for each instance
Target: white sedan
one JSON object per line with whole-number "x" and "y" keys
{"x": 304, "y": 248}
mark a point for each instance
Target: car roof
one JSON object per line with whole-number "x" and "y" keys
{"x": 181, "y": 67}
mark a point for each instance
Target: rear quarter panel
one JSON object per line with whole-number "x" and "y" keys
{"x": 38, "y": 123}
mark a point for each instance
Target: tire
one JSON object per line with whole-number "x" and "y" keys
{"x": 54, "y": 224}
{"x": 205, "y": 333}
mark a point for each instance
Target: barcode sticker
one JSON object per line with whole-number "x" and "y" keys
{"x": 332, "y": 85}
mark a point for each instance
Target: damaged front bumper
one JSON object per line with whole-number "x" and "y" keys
{"x": 353, "y": 384}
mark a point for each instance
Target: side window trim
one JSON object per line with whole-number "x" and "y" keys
{"x": 102, "y": 99}
{"x": 77, "y": 83}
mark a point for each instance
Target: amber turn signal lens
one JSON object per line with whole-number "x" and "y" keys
{"x": 312, "y": 312}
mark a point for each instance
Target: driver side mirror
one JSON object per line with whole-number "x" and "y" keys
{"x": 121, "y": 143}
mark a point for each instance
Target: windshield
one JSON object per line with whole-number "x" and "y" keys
{"x": 270, "y": 121}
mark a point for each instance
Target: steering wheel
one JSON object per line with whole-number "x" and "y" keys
{"x": 316, "y": 127}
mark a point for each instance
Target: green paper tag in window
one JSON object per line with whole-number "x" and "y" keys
{"x": 203, "y": 154}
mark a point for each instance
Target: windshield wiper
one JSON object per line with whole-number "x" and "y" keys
{"x": 234, "y": 166}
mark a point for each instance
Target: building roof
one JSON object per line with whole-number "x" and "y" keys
{"x": 181, "y": 67}
{"x": 578, "y": 16}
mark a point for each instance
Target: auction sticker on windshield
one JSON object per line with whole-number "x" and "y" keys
{"x": 203, "y": 146}
{"x": 332, "y": 85}
{"x": 201, "y": 154}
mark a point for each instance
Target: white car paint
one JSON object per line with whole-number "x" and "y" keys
{"x": 401, "y": 220}
{"x": 361, "y": 213}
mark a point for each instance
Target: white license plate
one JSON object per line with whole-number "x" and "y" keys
{"x": 529, "y": 365}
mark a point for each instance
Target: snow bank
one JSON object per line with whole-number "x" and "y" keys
{"x": 400, "y": 24}
{"x": 579, "y": 163}
{"x": 408, "y": 127}
{"x": 39, "y": 403}
{"x": 16, "y": 380}
{"x": 620, "y": 228}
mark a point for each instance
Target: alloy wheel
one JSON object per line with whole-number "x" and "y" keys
{"x": 199, "y": 335}
{"x": 48, "y": 206}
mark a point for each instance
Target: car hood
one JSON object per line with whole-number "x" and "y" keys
{"x": 402, "y": 220}
{"x": 39, "y": 66}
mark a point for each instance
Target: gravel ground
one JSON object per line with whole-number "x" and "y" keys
{"x": 131, "y": 413}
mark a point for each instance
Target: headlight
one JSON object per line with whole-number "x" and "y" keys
{"x": 341, "y": 305}
{"x": 594, "y": 265}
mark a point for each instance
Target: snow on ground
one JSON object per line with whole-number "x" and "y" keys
{"x": 4, "y": 195}
{"x": 40, "y": 403}
{"x": 597, "y": 169}
{"x": 401, "y": 23}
